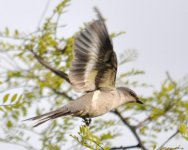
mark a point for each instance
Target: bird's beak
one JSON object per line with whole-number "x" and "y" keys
{"x": 139, "y": 101}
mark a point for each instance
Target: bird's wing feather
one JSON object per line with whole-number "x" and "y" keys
{"x": 95, "y": 64}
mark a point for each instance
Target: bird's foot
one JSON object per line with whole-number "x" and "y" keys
{"x": 87, "y": 121}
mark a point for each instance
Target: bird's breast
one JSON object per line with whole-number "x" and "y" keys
{"x": 103, "y": 101}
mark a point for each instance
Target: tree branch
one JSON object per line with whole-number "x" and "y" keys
{"x": 132, "y": 128}
{"x": 46, "y": 65}
{"x": 63, "y": 94}
{"x": 125, "y": 147}
{"x": 143, "y": 122}
{"x": 165, "y": 142}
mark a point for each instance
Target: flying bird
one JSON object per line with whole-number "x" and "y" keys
{"x": 93, "y": 72}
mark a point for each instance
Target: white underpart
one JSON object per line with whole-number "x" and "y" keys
{"x": 95, "y": 98}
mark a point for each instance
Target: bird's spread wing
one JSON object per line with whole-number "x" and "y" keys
{"x": 95, "y": 63}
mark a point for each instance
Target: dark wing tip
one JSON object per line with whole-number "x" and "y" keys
{"x": 99, "y": 15}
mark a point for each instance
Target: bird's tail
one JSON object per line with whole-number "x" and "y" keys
{"x": 63, "y": 111}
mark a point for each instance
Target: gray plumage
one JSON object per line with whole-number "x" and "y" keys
{"x": 95, "y": 62}
{"x": 93, "y": 71}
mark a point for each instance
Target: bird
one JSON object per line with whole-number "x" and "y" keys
{"x": 93, "y": 73}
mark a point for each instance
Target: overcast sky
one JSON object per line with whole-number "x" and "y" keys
{"x": 157, "y": 29}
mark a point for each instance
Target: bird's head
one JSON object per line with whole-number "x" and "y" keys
{"x": 130, "y": 95}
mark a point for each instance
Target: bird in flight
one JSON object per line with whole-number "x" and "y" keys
{"x": 93, "y": 72}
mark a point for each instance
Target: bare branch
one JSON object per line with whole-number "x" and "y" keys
{"x": 62, "y": 93}
{"x": 142, "y": 123}
{"x": 46, "y": 65}
{"x": 171, "y": 137}
{"x": 132, "y": 128}
{"x": 125, "y": 147}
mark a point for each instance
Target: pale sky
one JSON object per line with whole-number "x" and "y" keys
{"x": 157, "y": 29}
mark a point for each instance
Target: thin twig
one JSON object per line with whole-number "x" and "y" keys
{"x": 165, "y": 142}
{"x": 125, "y": 147}
{"x": 169, "y": 77}
{"x": 62, "y": 93}
{"x": 43, "y": 13}
{"x": 142, "y": 123}
{"x": 101, "y": 148}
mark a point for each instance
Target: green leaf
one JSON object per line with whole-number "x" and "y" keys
{"x": 20, "y": 98}
{"x": 5, "y": 98}
{"x": 132, "y": 72}
{"x": 8, "y": 108}
{"x": 9, "y": 124}
{"x": 154, "y": 146}
{"x": 24, "y": 111}
{"x": 16, "y": 33}
{"x": 7, "y": 31}
{"x": 1, "y": 109}
{"x": 60, "y": 6}
{"x": 13, "y": 98}
{"x": 182, "y": 128}
{"x": 106, "y": 136}
{"x": 114, "y": 35}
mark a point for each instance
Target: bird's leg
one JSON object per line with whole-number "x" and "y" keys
{"x": 87, "y": 121}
